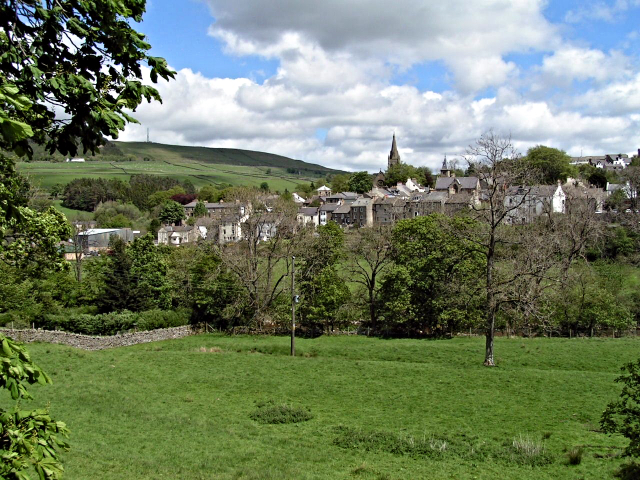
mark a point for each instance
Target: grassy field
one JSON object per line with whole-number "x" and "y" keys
{"x": 202, "y": 166}
{"x": 47, "y": 174}
{"x": 382, "y": 409}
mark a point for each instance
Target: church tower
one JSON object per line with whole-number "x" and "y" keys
{"x": 445, "y": 171}
{"x": 394, "y": 156}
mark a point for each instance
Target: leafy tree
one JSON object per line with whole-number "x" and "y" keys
{"x": 340, "y": 182}
{"x": 331, "y": 294}
{"x": 209, "y": 193}
{"x": 400, "y": 172}
{"x": 163, "y": 196}
{"x": 623, "y": 416}
{"x": 439, "y": 274}
{"x": 87, "y": 193}
{"x": 360, "y": 182}
{"x": 116, "y": 215}
{"x": 553, "y": 164}
{"x": 171, "y": 213}
{"x": 596, "y": 176}
{"x": 369, "y": 256}
{"x": 616, "y": 200}
{"x": 113, "y": 274}
{"x": 143, "y": 186}
{"x": 31, "y": 439}
{"x": 148, "y": 274}
{"x": 78, "y": 54}
{"x": 264, "y": 186}
{"x": 200, "y": 210}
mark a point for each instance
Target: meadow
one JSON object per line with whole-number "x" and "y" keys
{"x": 47, "y": 174}
{"x": 381, "y": 409}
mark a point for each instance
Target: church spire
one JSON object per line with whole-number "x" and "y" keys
{"x": 445, "y": 171}
{"x": 394, "y": 156}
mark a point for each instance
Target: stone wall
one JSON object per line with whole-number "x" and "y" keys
{"x": 87, "y": 342}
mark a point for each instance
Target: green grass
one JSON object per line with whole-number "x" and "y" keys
{"x": 394, "y": 409}
{"x": 47, "y": 174}
{"x": 202, "y": 166}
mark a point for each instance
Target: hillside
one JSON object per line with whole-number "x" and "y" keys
{"x": 226, "y": 156}
{"x": 202, "y": 166}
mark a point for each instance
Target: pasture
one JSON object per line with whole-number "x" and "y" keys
{"x": 47, "y": 174}
{"x": 381, "y": 409}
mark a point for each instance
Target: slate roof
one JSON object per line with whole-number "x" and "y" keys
{"x": 309, "y": 211}
{"x": 466, "y": 183}
{"x": 346, "y": 208}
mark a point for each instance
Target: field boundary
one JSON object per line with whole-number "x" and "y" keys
{"x": 91, "y": 342}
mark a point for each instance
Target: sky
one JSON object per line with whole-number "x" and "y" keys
{"x": 331, "y": 81}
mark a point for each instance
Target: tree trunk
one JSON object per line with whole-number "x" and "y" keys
{"x": 491, "y": 308}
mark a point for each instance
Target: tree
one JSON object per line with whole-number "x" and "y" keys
{"x": 439, "y": 273}
{"x": 369, "y": 256}
{"x": 331, "y": 297}
{"x": 200, "y": 210}
{"x": 31, "y": 440}
{"x": 360, "y": 182}
{"x": 616, "y": 200}
{"x": 171, "y": 213}
{"x": 496, "y": 162}
{"x": 82, "y": 56}
{"x": 340, "y": 182}
{"x": 261, "y": 260}
{"x": 148, "y": 273}
{"x": 209, "y": 193}
{"x": 264, "y": 186}
{"x": 623, "y": 416}
{"x": 631, "y": 175}
{"x": 551, "y": 163}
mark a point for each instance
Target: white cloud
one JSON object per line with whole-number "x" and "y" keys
{"x": 570, "y": 63}
{"x": 469, "y": 35}
{"x": 601, "y": 11}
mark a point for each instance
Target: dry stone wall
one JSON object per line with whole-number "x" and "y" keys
{"x": 88, "y": 342}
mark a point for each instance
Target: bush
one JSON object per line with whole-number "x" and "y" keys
{"x": 112, "y": 323}
{"x": 273, "y": 413}
{"x": 623, "y": 416}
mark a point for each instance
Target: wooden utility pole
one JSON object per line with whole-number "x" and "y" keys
{"x": 293, "y": 307}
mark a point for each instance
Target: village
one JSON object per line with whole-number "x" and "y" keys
{"x": 226, "y": 222}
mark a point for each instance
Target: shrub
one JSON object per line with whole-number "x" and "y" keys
{"x": 274, "y": 413}
{"x": 112, "y": 323}
{"x": 623, "y": 416}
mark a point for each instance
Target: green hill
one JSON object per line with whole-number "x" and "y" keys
{"x": 201, "y": 165}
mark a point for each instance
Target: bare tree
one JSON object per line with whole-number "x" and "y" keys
{"x": 369, "y": 255}
{"x": 631, "y": 175}
{"x": 496, "y": 163}
{"x": 261, "y": 260}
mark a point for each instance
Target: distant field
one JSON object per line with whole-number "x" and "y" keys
{"x": 383, "y": 409}
{"x": 47, "y": 174}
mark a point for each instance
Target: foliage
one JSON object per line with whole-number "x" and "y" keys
{"x": 132, "y": 277}
{"x": 616, "y": 200}
{"x": 433, "y": 288}
{"x": 214, "y": 293}
{"x": 87, "y": 193}
{"x": 209, "y": 193}
{"x": 171, "y": 213}
{"x": 116, "y": 215}
{"x": 80, "y": 55}
{"x": 141, "y": 187}
{"x": 31, "y": 440}
{"x": 200, "y": 210}
{"x": 326, "y": 299}
{"x": 114, "y": 322}
{"x": 163, "y": 196}
{"x": 264, "y": 186}
{"x": 360, "y": 182}
{"x": 551, "y": 163}
{"x": 401, "y": 172}
{"x": 623, "y": 415}
{"x": 340, "y": 183}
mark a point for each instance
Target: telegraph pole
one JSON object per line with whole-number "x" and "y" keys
{"x": 293, "y": 307}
